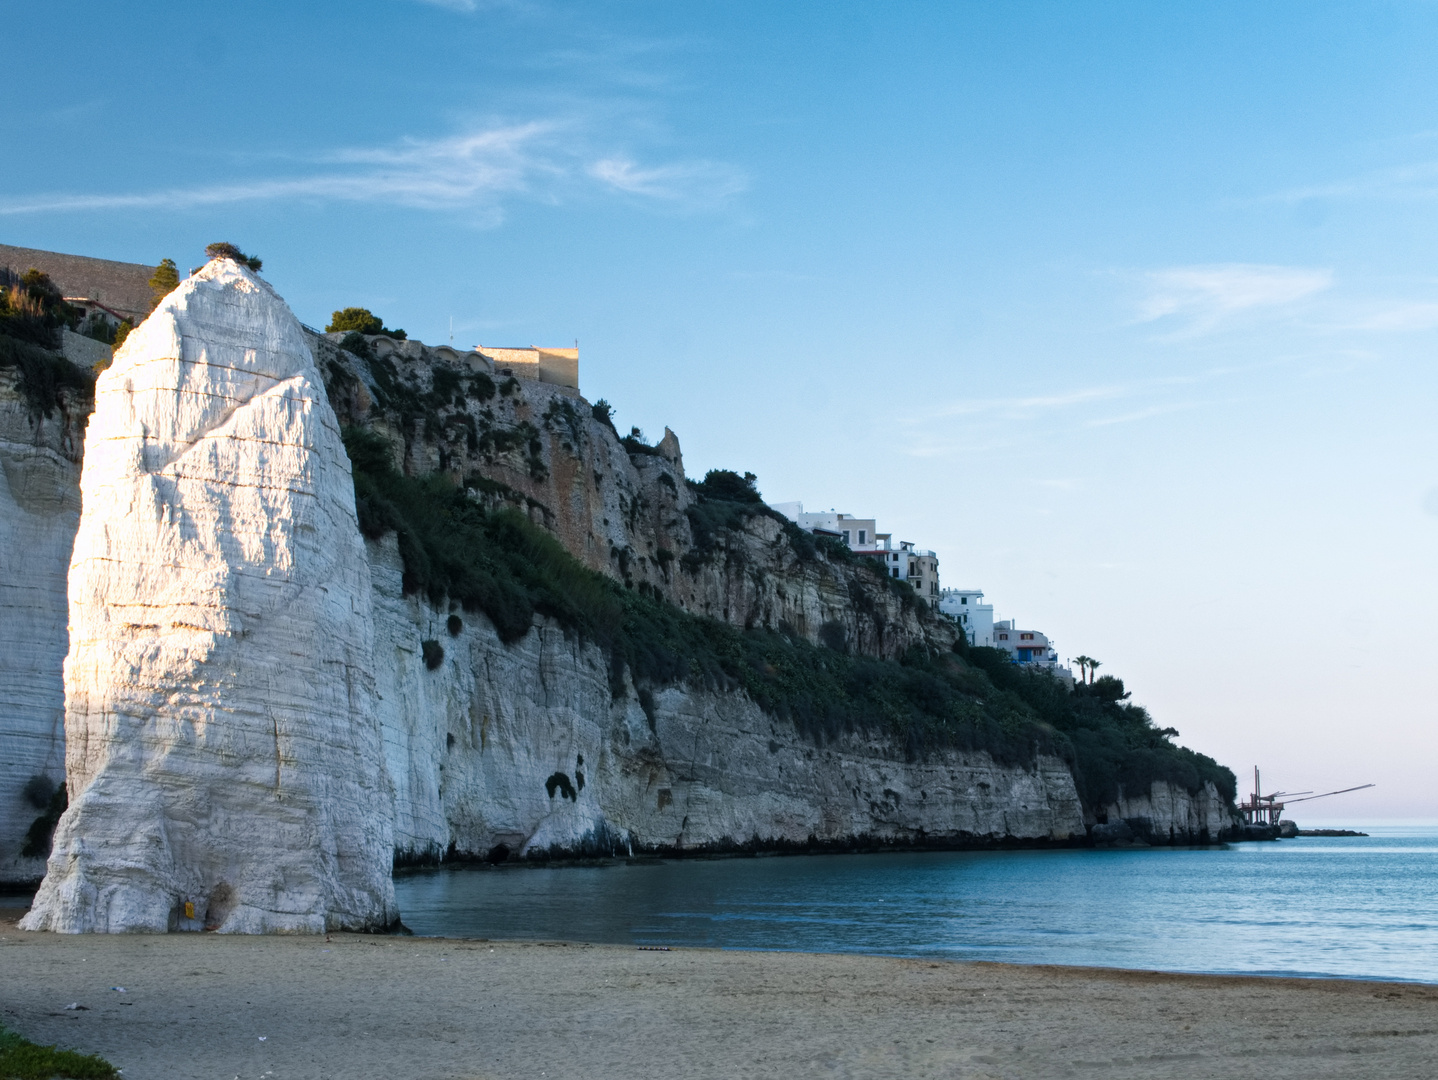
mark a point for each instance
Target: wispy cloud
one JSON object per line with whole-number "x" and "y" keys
{"x": 473, "y": 171}
{"x": 1017, "y": 408}
{"x": 693, "y": 183}
{"x": 992, "y": 424}
{"x": 1399, "y": 318}
{"x": 1144, "y": 413}
{"x": 1416, "y": 181}
{"x": 1204, "y": 296}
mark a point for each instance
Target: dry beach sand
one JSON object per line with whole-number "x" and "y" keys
{"x": 420, "y": 1008}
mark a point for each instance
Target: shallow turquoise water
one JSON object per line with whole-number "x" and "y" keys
{"x": 1357, "y": 907}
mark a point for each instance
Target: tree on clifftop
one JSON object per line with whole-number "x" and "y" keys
{"x": 223, "y": 250}
{"x": 360, "y": 320}
{"x": 164, "y": 280}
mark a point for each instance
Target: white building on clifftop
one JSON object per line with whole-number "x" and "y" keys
{"x": 1030, "y": 649}
{"x": 906, "y": 562}
{"x": 966, "y": 607}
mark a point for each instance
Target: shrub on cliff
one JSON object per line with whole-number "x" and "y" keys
{"x": 121, "y": 333}
{"x": 32, "y": 308}
{"x": 726, "y": 500}
{"x": 635, "y": 443}
{"x": 43, "y": 375}
{"x": 223, "y": 250}
{"x": 602, "y": 411}
{"x": 362, "y": 321}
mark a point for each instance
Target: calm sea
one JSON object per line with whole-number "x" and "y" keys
{"x": 1356, "y": 907}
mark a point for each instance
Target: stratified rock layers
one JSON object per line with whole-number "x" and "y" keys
{"x": 222, "y": 747}
{"x": 522, "y": 748}
{"x": 39, "y": 512}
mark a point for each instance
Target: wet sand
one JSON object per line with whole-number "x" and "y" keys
{"x": 425, "y": 1009}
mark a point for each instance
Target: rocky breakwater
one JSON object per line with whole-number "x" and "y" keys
{"x": 42, "y": 431}
{"x": 222, "y": 747}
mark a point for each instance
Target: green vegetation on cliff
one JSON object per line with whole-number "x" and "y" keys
{"x": 499, "y": 563}
{"x": 358, "y": 320}
{"x": 32, "y": 308}
{"x": 1114, "y": 743}
{"x": 43, "y": 375}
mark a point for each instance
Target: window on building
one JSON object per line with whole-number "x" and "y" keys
{"x": 963, "y": 599}
{"x": 846, "y": 536}
{"x": 895, "y": 571}
{"x": 863, "y": 535}
{"x": 1003, "y": 637}
{"x": 1026, "y": 637}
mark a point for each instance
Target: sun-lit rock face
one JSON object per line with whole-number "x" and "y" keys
{"x": 223, "y": 754}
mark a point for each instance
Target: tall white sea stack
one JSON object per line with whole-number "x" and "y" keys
{"x": 223, "y": 753}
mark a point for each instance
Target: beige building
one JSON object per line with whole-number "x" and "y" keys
{"x": 558, "y": 367}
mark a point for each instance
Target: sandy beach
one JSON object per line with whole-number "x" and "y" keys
{"x": 435, "y": 1009}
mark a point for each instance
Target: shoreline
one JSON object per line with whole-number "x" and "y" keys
{"x": 406, "y": 864}
{"x": 440, "y": 1008}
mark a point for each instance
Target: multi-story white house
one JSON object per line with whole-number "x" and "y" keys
{"x": 856, "y": 532}
{"x": 966, "y": 607}
{"x": 1031, "y": 649}
{"x": 918, "y": 566}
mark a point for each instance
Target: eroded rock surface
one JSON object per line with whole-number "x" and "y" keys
{"x": 1167, "y": 814}
{"x": 39, "y": 513}
{"x": 524, "y": 749}
{"x": 223, "y": 754}
{"x": 619, "y": 506}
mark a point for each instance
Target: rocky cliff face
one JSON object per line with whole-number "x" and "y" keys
{"x": 222, "y": 748}
{"x": 523, "y": 749}
{"x": 254, "y": 727}
{"x": 39, "y": 512}
{"x": 619, "y": 506}
{"x": 1165, "y": 814}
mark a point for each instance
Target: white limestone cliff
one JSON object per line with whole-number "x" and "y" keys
{"x": 39, "y": 512}
{"x": 1167, "y": 814}
{"x": 223, "y": 754}
{"x": 523, "y": 746}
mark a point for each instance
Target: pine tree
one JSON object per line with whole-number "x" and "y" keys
{"x": 164, "y": 280}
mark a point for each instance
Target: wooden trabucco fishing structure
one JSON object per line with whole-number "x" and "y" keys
{"x": 1260, "y": 809}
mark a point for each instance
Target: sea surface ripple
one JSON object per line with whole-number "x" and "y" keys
{"x": 1349, "y": 907}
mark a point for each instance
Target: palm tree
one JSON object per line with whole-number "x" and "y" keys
{"x": 1093, "y": 665}
{"x": 1083, "y": 662}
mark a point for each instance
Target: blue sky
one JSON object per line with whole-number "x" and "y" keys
{"x": 1127, "y": 309}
